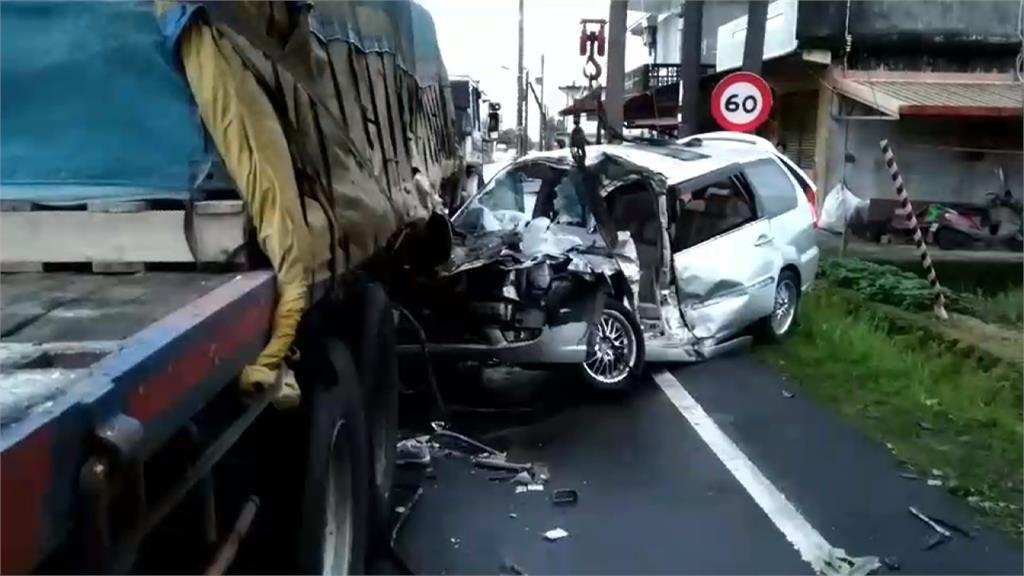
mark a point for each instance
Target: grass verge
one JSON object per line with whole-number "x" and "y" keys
{"x": 1003, "y": 308}
{"x": 946, "y": 411}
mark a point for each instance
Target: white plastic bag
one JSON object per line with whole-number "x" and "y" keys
{"x": 838, "y": 209}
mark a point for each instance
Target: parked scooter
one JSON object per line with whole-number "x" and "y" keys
{"x": 999, "y": 223}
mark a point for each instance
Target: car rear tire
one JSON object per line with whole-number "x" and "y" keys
{"x": 616, "y": 351}
{"x": 333, "y": 502}
{"x": 782, "y": 319}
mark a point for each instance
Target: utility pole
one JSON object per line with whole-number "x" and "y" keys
{"x": 753, "y": 45}
{"x": 542, "y": 143}
{"x": 526, "y": 112}
{"x": 614, "y": 92}
{"x": 520, "y": 93}
{"x": 689, "y": 62}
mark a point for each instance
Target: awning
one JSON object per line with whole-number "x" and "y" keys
{"x": 586, "y": 104}
{"x": 898, "y": 94}
{"x": 653, "y": 123}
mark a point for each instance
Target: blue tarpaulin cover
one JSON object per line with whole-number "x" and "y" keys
{"x": 95, "y": 105}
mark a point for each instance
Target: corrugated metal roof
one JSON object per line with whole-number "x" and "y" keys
{"x": 936, "y": 94}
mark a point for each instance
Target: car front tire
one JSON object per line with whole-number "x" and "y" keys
{"x": 616, "y": 351}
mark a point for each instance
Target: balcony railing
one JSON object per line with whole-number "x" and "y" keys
{"x": 651, "y": 76}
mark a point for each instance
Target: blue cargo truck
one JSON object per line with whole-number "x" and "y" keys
{"x": 196, "y": 373}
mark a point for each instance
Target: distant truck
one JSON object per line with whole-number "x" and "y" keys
{"x": 141, "y": 429}
{"x": 476, "y": 130}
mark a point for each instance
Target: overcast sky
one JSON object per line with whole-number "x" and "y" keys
{"x": 478, "y": 37}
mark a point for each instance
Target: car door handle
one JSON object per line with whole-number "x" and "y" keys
{"x": 762, "y": 240}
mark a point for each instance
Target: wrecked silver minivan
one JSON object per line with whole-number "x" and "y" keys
{"x": 650, "y": 252}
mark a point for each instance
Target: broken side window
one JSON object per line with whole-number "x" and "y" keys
{"x": 774, "y": 188}
{"x": 711, "y": 211}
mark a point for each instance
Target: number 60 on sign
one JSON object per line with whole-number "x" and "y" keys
{"x": 741, "y": 102}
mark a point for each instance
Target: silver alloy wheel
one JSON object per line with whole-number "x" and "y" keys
{"x": 338, "y": 524}
{"x": 614, "y": 352}
{"x": 784, "y": 311}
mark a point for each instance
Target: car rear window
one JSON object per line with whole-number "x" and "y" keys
{"x": 774, "y": 189}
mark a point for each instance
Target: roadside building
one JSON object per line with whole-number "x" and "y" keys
{"x": 940, "y": 79}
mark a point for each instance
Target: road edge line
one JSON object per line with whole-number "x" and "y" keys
{"x": 812, "y": 546}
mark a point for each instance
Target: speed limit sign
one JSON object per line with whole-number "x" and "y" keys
{"x": 741, "y": 102}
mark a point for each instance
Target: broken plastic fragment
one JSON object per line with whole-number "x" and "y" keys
{"x": 564, "y": 496}
{"x": 523, "y": 478}
{"x": 555, "y": 534}
{"x": 839, "y": 563}
{"x": 413, "y": 451}
{"x": 540, "y": 472}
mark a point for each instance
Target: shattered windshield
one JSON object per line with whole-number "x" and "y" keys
{"x": 523, "y": 192}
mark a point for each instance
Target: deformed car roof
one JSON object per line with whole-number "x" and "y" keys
{"x": 671, "y": 160}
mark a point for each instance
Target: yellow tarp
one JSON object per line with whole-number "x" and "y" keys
{"x": 248, "y": 136}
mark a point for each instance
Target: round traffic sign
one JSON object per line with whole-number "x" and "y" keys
{"x": 741, "y": 102}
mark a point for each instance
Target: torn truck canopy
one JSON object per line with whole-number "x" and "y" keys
{"x": 265, "y": 76}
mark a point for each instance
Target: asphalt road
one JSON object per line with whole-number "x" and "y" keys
{"x": 655, "y": 498}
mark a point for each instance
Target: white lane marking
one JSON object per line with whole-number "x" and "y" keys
{"x": 811, "y": 545}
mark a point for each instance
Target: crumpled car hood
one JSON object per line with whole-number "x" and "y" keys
{"x": 542, "y": 240}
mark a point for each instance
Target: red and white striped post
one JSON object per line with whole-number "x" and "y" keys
{"x": 908, "y": 213}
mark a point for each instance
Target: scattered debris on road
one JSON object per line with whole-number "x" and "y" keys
{"x": 942, "y": 534}
{"x": 909, "y": 476}
{"x": 511, "y": 568}
{"x": 788, "y": 394}
{"x": 838, "y": 563}
{"x": 403, "y": 513}
{"x": 555, "y": 534}
{"x": 499, "y": 463}
{"x": 934, "y": 482}
{"x": 413, "y": 451}
{"x": 520, "y": 489}
{"x": 891, "y": 562}
{"x": 540, "y": 472}
{"x": 535, "y": 487}
{"x": 564, "y": 496}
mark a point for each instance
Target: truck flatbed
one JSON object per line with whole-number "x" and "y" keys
{"x": 53, "y": 327}
{"x": 82, "y": 354}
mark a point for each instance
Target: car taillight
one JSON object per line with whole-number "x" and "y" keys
{"x": 812, "y": 201}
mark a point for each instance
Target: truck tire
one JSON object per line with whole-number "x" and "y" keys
{"x": 333, "y": 501}
{"x": 378, "y": 372}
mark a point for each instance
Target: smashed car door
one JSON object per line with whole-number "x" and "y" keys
{"x": 722, "y": 254}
